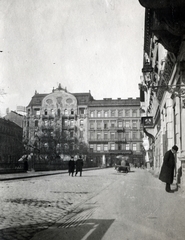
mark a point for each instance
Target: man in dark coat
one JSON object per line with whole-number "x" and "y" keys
{"x": 71, "y": 166}
{"x": 167, "y": 171}
{"x": 79, "y": 165}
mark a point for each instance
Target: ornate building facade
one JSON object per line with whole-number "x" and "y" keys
{"x": 60, "y": 123}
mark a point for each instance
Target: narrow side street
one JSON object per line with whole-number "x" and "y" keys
{"x": 101, "y": 204}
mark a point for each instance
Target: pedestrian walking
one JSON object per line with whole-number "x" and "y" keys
{"x": 79, "y": 165}
{"x": 168, "y": 167}
{"x": 26, "y": 163}
{"x": 71, "y": 166}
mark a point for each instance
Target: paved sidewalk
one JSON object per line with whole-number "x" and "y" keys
{"x": 31, "y": 174}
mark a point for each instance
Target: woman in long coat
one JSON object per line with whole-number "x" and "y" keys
{"x": 167, "y": 171}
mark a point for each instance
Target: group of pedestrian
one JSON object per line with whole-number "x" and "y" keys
{"x": 72, "y": 165}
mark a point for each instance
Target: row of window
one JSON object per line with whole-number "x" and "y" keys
{"x": 113, "y": 146}
{"x": 113, "y": 124}
{"x": 113, "y": 135}
{"x": 66, "y": 112}
{"x": 51, "y": 122}
{"x": 114, "y": 113}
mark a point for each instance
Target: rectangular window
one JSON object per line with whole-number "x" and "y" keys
{"x": 65, "y": 123}
{"x": 119, "y": 136}
{"x": 105, "y": 136}
{"x": 134, "y": 113}
{"x": 71, "y": 134}
{"x": 91, "y": 135}
{"x": 127, "y": 113}
{"x": 134, "y": 124}
{"x": 46, "y": 123}
{"x": 92, "y": 113}
{"x": 98, "y": 147}
{"x": 105, "y": 147}
{"x": 98, "y": 125}
{"x": 37, "y": 112}
{"x": 91, "y": 125}
{"x": 120, "y": 113}
{"x": 113, "y": 124}
{"x": 112, "y": 146}
{"x": 120, "y": 124}
{"x": 99, "y": 114}
{"x": 127, "y": 147}
{"x": 105, "y": 125}
{"x": 106, "y": 114}
{"x": 127, "y": 136}
{"x": 112, "y": 136}
{"x": 113, "y": 113}
{"x": 72, "y": 123}
{"x": 119, "y": 146}
{"x": 134, "y": 135}
{"x": 82, "y": 110}
{"x": 134, "y": 147}
{"x": 81, "y": 134}
{"x": 98, "y": 136}
{"x": 91, "y": 147}
{"x": 127, "y": 124}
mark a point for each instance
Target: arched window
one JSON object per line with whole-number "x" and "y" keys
{"x": 45, "y": 112}
{"x": 52, "y": 112}
{"x": 72, "y": 111}
{"x": 65, "y": 112}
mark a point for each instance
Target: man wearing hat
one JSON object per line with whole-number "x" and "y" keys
{"x": 71, "y": 166}
{"x": 167, "y": 170}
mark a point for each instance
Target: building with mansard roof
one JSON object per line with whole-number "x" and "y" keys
{"x": 61, "y": 123}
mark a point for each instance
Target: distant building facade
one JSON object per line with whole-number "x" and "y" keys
{"x": 62, "y": 123}
{"x": 15, "y": 117}
{"x": 114, "y": 129}
{"x": 11, "y": 146}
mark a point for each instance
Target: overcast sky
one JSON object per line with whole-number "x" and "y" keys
{"x": 94, "y": 45}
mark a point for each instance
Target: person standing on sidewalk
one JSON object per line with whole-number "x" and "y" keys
{"x": 79, "y": 165}
{"x": 71, "y": 166}
{"x": 168, "y": 167}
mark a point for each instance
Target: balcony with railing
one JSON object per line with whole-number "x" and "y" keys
{"x": 106, "y": 140}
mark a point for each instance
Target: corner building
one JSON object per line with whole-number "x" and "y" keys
{"x": 62, "y": 123}
{"x": 114, "y": 129}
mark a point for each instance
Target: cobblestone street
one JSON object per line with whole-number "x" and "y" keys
{"x": 30, "y": 205}
{"x": 102, "y": 204}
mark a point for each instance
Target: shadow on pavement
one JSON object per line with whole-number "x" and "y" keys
{"x": 89, "y": 230}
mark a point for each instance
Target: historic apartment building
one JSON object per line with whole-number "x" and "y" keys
{"x": 114, "y": 129}
{"x": 62, "y": 123}
{"x": 10, "y": 143}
